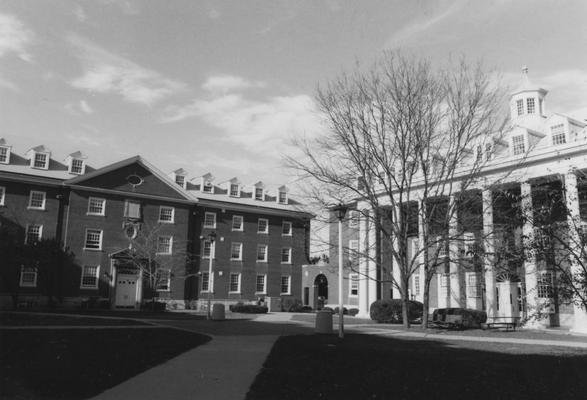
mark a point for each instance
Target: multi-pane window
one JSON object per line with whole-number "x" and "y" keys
{"x": 90, "y": 276}
{"x": 28, "y": 277}
{"x": 208, "y": 188}
{"x": 286, "y": 255}
{"x": 210, "y": 220}
{"x": 285, "y": 284}
{"x": 163, "y": 283}
{"x": 77, "y": 166}
{"x": 132, "y": 209}
{"x": 416, "y": 279}
{"x": 286, "y": 228}
{"x": 354, "y": 285}
{"x": 353, "y": 250}
{"x": 33, "y": 233}
{"x": 236, "y": 251}
{"x": 237, "y": 222}
{"x": 263, "y": 226}
{"x": 166, "y": 214}
{"x": 207, "y": 249}
{"x": 205, "y": 281}
{"x": 530, "y": 105}
{"x": 235, "y": 283}
{"x": 444, "y": 285}
{"x": 258, "y": 193}
{"x": 93, "y": 239}
{"x": 4, "y": 154}
{"x": 96, "y": 206}
{"x": 469, "y": 247}
{"x": 2, "y": 195}
{"x": 441, "y": 245}
{"x": 545, "y": 285}
{"x": 180, "y": 180}
{"x": 260, "y": 284}
{"x": 262, "y": 252}
{"x": 37, "y": 200}
{"x": 558, "y": 134}
{"x": 353, "y": 218}
{"x": 164, "y": 244}
{"x": 234, "y": 190}
{"x": 282, "y": 197}
{"x": 473, "y": 285}
{"x": 488, "y": 151}
{"x": 518, "y": 144}
{"x": 520, "y": 106}
{"x": 41, "y": 160}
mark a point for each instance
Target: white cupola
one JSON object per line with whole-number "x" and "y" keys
{"x": 527, "y": 106}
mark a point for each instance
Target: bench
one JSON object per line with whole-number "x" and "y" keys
{"x": 503, "y": 322}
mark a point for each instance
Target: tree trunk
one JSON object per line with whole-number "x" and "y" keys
{"x": 405, "y": 305}
{"x": 426, "y": 302}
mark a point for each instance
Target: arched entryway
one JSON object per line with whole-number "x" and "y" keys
{"x": 508, "y": 294}
{"x": 320, "y": 291}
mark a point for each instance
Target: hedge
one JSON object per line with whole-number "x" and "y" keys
{"x": 248, "y": 308}
{"x": 390, "y": 310}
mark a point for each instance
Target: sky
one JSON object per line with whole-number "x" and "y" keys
{"x": 224, "y": 86}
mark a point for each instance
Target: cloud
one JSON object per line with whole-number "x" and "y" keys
{"x": 79, "y": 108}
{"x": 14, "y": 37}
{"x": 6, "y": 84}
{"x": 227, "y": 83}
{"x": 128, "y": 7}
{"x": 79, "y": 13}
{"x": 105, "y": 72}
{"x": 213, "y": 13}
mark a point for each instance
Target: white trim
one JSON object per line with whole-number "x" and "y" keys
{"x": 170, "y": 237}
{"x": 264, "y": 283}
{"x": 172, "y": 221}
{"x": 26, "y": 233}
{"x": 8, "y": 151}
{"x": 353, "y": 280}
{"x": 95, "y": 286}
{"x": 240, "y": 251}
{"x": 290, "y": 233}
{"x": 206, "y": 214}
{"x": 34, "y": 159}
{"x": 22, "y": 272}
{"x": 242, "y": 223}
{"x": 157, "y": 284}
{"x": 2, "y": 195}
{"x": 83, "y": 166}
{"x": 86, "y": 239}
{"x": 266, "y": 248}
{"x": 103, "y": 213}
{"x": 238, "y": 283}
{"x": 205, "y": 273}
{"x": 288, "y": 284}
{"x": 42, "y": 207}
{"x": 289, "y": 254}
{"x": 266, "y": 231}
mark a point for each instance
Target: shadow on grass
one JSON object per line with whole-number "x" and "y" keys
{"x": 372, "y": 367}
{"x": 77, "y": 364}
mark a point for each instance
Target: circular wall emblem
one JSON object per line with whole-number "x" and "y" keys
{"x": 131, "y": 231}
{"x": 134, "y": 180}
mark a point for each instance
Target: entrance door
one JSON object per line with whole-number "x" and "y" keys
{"x": 508, "y": 299}
{"x": 126, "y": 291}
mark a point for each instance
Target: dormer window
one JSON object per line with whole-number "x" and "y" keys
{"x": 520, "y": 106}
{"x": 4, "y": 154}
{"x": 530, "y": 105}
{"x": 282, "y": 196}
{"x": 258, "y": 193}
{"x": 40, "y": 160}
{"x": 234, "y": 190}
{"x": 180, "y": 180}
{"x": 208, "y": 187}
{"x": 518, "y": 145}
{"x": 77, "y": 166}
{"x": 558, "y": 134}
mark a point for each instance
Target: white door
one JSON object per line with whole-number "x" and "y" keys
{"x": 508, "y": 299}
{"x": 126, "y": 290}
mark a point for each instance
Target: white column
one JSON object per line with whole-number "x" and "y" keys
{"x": 396, "y": 270}
{"x": 574, "y": 222}
{"x": 363, "y": 267}
{"x": 372, "y": 265}
{"x": 530, "y": 271}
{"x": 453, "y": 248}
{"x": 489, "y": 259}
{"x": 421, "y": 249}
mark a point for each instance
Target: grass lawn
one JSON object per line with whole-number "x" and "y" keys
{"x": 38, "y": 319}
{"x": 373, "y": 367}
{"x": 80, "y": 363}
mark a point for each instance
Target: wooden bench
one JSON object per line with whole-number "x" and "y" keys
{"x": 503, "y": 322}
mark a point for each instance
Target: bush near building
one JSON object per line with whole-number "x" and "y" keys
{"x": 390, "y": 310}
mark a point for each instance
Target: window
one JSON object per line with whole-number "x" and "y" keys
{"x": 260, "y": 286}
{"x": 545, "y": 285}
{"x": 530, "y": 105}
{"x": 208, "y": 188}
{"x": 210, "y": 220}
{"x": 237, "y": 223}
{"x": 286, "y": 228}
{"x": 444, "y": 285}
{"x": 180, "y": 180}
{"x": 37, "y": 200}
{"x": 441, "y": 245}
{"x": 4, "y": 155}
{"x": 469, "y": 245}
{"x": 41, "y": 160}
{"x": 282, "y": 197}
{"x": 207, "y": 251}
{"x": 90, "y": 277}
{"x": 132, "y": 209}
{"x": 28, "y": 277}
{"x": 416, "y": 280}
{"x": 488, "y": 151}
{"x": 353, "y": 218}
{"x": 479, "y": 152}
{"x": 262, "y": 252}
{"x": 258, "y": 193}
{"x": 93, "y": 239}
{"x": 520, "y": 106}
{"x": 96, "y": 206}
{"x": 77, "y": 166}
{"x": 234, "y": 190}
{"x": 164, "y": 244}
{"x": 518, "y": 144}
{"x": 354, "y": 285}
{"x": 163, "y": 280}
{"x": 558, "y": 134}
{"x": 473, "y": 286}
{"x": 285, "y": 284}
{"x": 236, "y": 251}
{"x": 2, "y": 195}
{"x": 33, "y": 233}
{"x": 235, "y": 283}
{"x": 353, "y": 250}
{"x": 205, "y": 281}
{"x": 166, "y": 214}
{"x": 263, "y": 226}
{"x": 286, "y": 255}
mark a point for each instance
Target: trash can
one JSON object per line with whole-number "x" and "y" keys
{"x": 218, "y": 312}
{"x": 324, "y": 321}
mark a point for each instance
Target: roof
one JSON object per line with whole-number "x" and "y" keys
{"x": 526, "y": 85}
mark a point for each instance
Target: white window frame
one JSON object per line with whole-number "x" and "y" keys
{"x": 232, "y": 193}
{"x": 266, "y": 225}
{"x": 6, "y": 157}
{"x": 206, "y": 281}
{"x": 416, "y": 282}
{"x": 264, "y": 291}
{"x": 353, "y": 285}
{"x": 82, "y": 167}
{"x": 2, "y": 195}
{"x": 208, "y": 187}
{"x": 238, "y": 283}
{"x": 158, "y": 286}
{"x": 469, "y": 244}
{"x": 353, "y": 250}
{"x": 262, "y": 194}
{"x": 559, "y": 134}
{"x": 34, "y": 160}
{"x": 28, "y": 270}
{"x": 282, "y": 197}
{"x": 289, "y": 232}
{"x": 353, "y": 218}
{"x": 211, "y": 215}
{"x": 242, "y": 223}
{"x": 545, "y": 287}
{"x": 44, "y": 201}
{"x": 265, "y": 250}
{"x": 127, "y": 208}
{"x": 289, "y": 254}
{"x": 240, "y": 251}
{"x": 288, "y": 283}
{"x": 520, "y": 106}
{"x": 168, "y": 208}
{"x": 84, "y": 275}
{"x": 92, "y": 230}
{"x": 160, "y": 240}
{"x": 103, "y": 206}
{"x": 473, "y": 285}
{"x": 443, "y": 285}
{"x": 440, "y": 243}
{"x": 531, "y": 105}
{"x": 180, "y": 180}
{"x": 207, "y": 245}
{"x": 518, "y": 145}
{"x": 39, "y": 236}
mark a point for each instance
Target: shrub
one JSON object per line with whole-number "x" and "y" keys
{"x": 248, "y": 308}
{"x": 296, "y": 307}
{"x": 344, "y": 310}
{"x": 459, "y": 317}
{"x": 154, "y": 306}
{"x": 353, "y": 312}
{"x": 390, "y": 310}
{"x": 289, "y": 304}
{"x": 328, "y": 309}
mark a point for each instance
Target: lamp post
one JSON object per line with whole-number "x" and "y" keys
{"x": 211, "y": 239}
{"x": 340, "y": 211}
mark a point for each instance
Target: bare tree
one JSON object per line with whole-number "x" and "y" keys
{"x": 406, "y": 142}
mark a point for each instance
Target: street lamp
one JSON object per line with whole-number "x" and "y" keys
{"x": 211, "y": 239}
{"x": 340, "y": 211}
